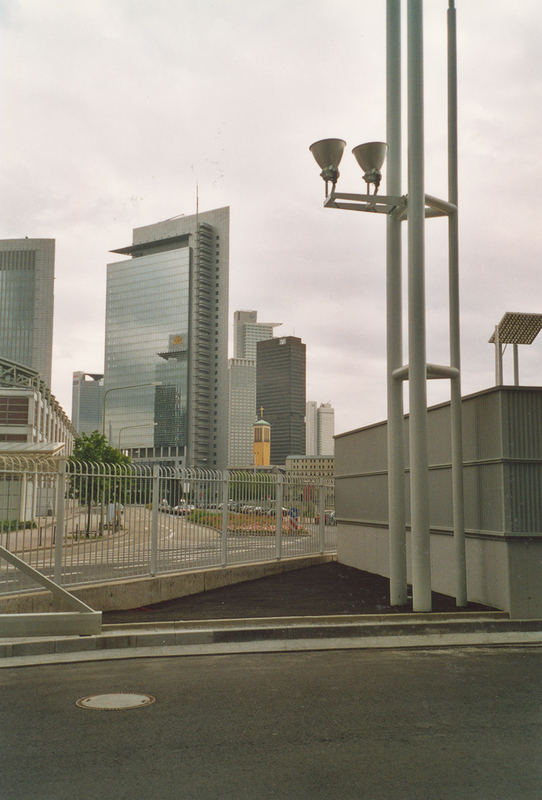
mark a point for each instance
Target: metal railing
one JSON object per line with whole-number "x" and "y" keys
{"x": 80, "y": 523}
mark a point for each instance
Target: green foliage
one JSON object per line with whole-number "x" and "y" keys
{"x": 95, "y": 447}
{"x": 104, "y": 489}
{"x": 17, "y": 525}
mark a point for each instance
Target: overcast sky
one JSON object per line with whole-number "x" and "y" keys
{"x": 113, "y": 111}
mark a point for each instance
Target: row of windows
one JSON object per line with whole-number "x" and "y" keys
{"x": 13, "y": 410}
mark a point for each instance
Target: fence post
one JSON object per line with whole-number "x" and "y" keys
{"x": 225, "y": 515}
{"x": 154, "y": 518}
{"x": 322, "y": 511}
{"x": 60, "y": 505}
{"x": 278, "y": 516}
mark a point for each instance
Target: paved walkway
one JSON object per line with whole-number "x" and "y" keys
{"x": 323, "y": 590}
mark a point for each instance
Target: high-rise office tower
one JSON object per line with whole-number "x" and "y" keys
{"x": 311, "y": 428}
{"x": 87, "y": 402}
{"x": 242, "y": 409}
{"x": 320, "y": 428}
{"x": 27, "y": 273}
{"x": 280, "y": 392}
{"x": 166, "y": 341}
{"x": 247, "y": 332}
{"x": 326, "y": 429}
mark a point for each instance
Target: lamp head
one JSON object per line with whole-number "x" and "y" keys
{"x": 328, "y": 154}
{"x": 370, "y": 156}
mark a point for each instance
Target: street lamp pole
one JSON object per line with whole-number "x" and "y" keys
{"x": 131, "y": 427}
{"x": 394, "y": 328}
{"x": 123, "y": 388}
{"x": 415, "y": 207}
{"x": 417, "y": 358}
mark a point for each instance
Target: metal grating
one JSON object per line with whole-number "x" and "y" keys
{"x": 518, "y": 328}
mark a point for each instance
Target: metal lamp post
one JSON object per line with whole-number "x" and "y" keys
{"x": 131, "y": 427}
{"x": 414, "y": 207}
{"x": 123, "y": 388}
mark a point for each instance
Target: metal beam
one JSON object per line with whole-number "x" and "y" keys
{"x": 42, "y": 580}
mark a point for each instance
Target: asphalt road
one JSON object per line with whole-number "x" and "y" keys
{"x": 454, "y": 724}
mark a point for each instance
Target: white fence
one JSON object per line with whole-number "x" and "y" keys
{"x": 81, "y": 523}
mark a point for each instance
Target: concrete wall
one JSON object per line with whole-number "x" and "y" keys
{"x": 502, "y": 441}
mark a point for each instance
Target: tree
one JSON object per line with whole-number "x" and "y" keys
{"x": 95, "y": 448}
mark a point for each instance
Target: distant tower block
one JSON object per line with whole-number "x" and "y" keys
{"x": 262, "y": 442}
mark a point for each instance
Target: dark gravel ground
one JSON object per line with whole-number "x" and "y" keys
{"x": 322, "y": 590}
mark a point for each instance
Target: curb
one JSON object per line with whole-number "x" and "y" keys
{"x": 281, "y": 634}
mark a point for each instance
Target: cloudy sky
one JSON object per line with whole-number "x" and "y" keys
{"x": 114, "y": 110}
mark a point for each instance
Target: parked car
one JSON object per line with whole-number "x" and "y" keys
{"x": 183, "y": 509}
{"x": 329, "y": 518}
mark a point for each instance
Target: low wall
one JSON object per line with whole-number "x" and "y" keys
{"x": 126, "y": 594}
{"x": 502, "y": 449}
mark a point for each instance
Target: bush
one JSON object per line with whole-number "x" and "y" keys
{"x": 17, "y": 525}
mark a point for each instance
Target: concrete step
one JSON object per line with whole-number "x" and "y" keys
{"x": 276, "y": 634}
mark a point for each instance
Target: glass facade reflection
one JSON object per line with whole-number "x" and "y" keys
{"x": 26, "y": 303}
{"x": 147, "y": 313}
{"x": 166, "y": 390}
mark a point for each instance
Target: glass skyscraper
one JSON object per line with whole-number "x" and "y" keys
{"x": 166, "y": 342}
{"x": 87, "y": 402}
{"x": 247, "y": 332}
{"x": 27, "y": 272}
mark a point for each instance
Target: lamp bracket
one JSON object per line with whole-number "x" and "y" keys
{"x": 388, "y": 204}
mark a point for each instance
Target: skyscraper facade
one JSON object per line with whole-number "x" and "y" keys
{"x": 247, "y": 332}
{"x": 320, "y": 429}
{"x": 27, "y": 272}
{"x": 166, "y": 341}
{"x": 280, "y": 392}
{"x": 87, "y": 402}
{"x": 311, "y": 428}
{"x": 242, "y": 409}
{"x": 326, "y": 429}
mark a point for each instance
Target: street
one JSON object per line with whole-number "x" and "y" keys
{"x": 181, "y": 544}
{"x": 452, "y": 724}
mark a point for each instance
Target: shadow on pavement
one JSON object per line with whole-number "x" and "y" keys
{"x": 326, "y": 589}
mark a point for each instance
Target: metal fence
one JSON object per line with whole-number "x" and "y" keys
{"x": 81, "y": 523}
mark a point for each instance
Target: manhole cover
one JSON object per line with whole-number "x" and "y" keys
{"x": 115, "y": 702}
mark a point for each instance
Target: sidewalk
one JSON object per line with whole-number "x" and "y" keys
{"x": 323, "y": 590}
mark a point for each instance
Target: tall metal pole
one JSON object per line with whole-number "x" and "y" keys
{"x": 516, "y": 365}
{"x": 498, "y": 357}
{"x": 419, "y": 484}
{"x": 396, "y": 477}
{"x": 455, "y": 348}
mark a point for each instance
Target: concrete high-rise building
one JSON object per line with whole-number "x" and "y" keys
{"x": 167, "y": 333}
{"x": 247, "y": 332}
{"x": 242, "y": 406}
{"x": 320, "y": 428}
{"x": 311, "y": 429}
{"x": 280, "y": 393}
{"x": 27, "y": 273}
{"x": 87, "y": 402}
{"x": 326, "y": 429}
